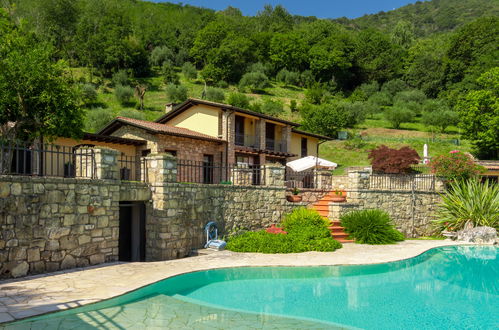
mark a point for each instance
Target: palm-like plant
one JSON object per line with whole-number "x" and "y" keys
{"x": 471, "y": 201}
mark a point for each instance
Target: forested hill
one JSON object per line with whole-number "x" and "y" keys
{"x": 421, "y": 64}
{"x": 427, "y": 17}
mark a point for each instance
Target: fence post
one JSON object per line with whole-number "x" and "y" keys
{"x": 357, "y": 180}
{"x": 274, "y": 175}
{"x": 161, "y": 168}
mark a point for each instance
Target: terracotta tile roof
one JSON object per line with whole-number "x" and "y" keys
{"x": 166, "y": 129}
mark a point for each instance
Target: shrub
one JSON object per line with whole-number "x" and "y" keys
{"x": 469, "y": 201}
{"x": 397, "y": 115}
{"x": 455, "y": 166}
{"x": 307, "y": 231}
{"x": 293, "y": 106}
{"x": 326, "y": 119}
{"x": 189, "y": 71}
{"x": 120, "y": 78}
{"x": 88, "y": 94}
{"x": 176, "y": 93}
{"x": 124, "y": 94}
{"x": 272, "y": 107}
{"x": 160, "y": 55}
{"x": 132, "y": 114}
{"x": 394, "y": 86}
{"x": 388, "y": 160}
{"x": 255, "y": 81}
{"x": 440, "y": 119}
{"x": 370, "y": 227}
{"x": 97, "y": 118}
{"x": 222, "y": 84}
{"x": 170, "y": 76}
{"x": 258, "y": 67}
{"x": 238, "y": 100}
{"x": 214, "y": 94}
{"x": 380, "y": 99}
{"x": 307, "y": 78}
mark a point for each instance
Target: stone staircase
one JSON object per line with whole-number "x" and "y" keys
{"x": 337, "y": 232}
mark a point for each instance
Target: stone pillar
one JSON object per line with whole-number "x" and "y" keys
{"x": 229, "y": 135}
{"x": 161, "y": 168}
{"x": 97, "y": 163}
{"x": 286, "y": 138}
{"x": 274, "y": 175}
{"x": 322, "y": 179}
{"x": 357, "y": 180}
{"x": 260, "y": 134}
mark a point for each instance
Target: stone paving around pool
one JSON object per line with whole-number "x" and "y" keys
{"x": 46, "y": 293}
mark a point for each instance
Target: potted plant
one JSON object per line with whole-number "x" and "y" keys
{"x": 339, "y": 196}
{"x": 294, "y": 197}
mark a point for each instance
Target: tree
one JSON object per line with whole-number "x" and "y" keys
{"x": 255, "y": 81}
{"x": 170, "y": 76}
{"x": 437, "y": 113}
{"x": 214, "y": 94}
{"x": 288, "y": 51}
{"x": 238, "y": 100}
{"x": 326, "y": 119}
{"x": 397, "y": 115}
{"x": 37, "y": 97}
{"x": 393, "y": 161}
{"x": 123, "y": 94}
{"x": 160, "y": 55}
{"x": 176, "y": 93}
{"x": 189, "y": 71}
{"x": 479, "y": 113}
{"x": 272, "y": 107}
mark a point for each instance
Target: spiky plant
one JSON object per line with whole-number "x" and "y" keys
{"x": 469, "y": 200}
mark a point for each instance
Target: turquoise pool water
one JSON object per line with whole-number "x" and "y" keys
{"x": 444, "y": 288}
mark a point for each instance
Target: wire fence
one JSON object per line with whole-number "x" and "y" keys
{"x": 47, "y": 160}
{"x": 190, "y": 171}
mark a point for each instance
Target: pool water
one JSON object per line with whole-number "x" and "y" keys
{"x": 445, "y": 288}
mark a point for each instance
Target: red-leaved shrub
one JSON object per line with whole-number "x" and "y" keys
{"x": 393, "y": 161}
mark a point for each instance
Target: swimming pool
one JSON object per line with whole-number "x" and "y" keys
{"x": 450, "y": 287}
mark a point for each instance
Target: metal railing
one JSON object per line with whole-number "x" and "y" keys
{"x": 47, "y": 160}
{"x": 245, "y": 140}
{"x": 309, "y": 179}
{"x": 273, "y": 145}
{"x": 132, "y": 168}
{"x": 409, "y": 182}
{"x": 189, "y": 171}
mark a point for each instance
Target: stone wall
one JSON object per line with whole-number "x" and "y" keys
{"x": 411, "y": 210}
{"x": 47, "y": 224}
{"x": 180, "y": 212}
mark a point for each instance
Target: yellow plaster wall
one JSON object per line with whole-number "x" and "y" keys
{"x": 199, "y": 118}
{"x": 296, "y": 145}
{"x": 128, "y": 150}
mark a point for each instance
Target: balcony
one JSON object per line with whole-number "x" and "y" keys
{"x": 245, "y": 140}
{"x": 275, "y": 146}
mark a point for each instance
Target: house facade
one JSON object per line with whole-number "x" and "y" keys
{"x": 251, "y": 138}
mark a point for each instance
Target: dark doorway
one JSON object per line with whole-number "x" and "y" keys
{"x": 132, "y": 238}
{"x": 270, "y": 136}
{"x": 304, "y": 147}
{"x": 239, "y": 126}
{"x": 208, "y": 168}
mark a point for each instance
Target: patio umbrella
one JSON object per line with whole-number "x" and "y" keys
{"x": 309, "y": 162}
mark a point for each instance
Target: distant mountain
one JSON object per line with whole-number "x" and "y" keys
{"x": 428, "y": 17}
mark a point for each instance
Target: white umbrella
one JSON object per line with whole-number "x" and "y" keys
{"x": 309, "y": 162}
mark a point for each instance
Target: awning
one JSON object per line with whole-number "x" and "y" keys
{"x": 309, "y": 162}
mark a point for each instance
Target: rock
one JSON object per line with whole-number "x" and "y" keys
{"x": 480, "y": 235}
{"x": 68, "y": 262}
{"x": 16, "y": 269}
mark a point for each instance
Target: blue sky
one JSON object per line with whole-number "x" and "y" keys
{"x": 319, "y": 8}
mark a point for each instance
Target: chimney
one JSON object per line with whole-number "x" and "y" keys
{"x": 169, "y": 107}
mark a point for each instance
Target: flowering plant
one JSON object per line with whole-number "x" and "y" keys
{"x": 455, "y": 166}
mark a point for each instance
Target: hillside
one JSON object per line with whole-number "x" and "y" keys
{"x": 428, "y": 17}
{"x": 405, "y": 70}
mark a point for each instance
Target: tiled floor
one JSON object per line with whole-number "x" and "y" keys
{"x": 58, "y": 291}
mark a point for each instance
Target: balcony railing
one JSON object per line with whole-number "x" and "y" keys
{"x": 245, "y": 140}
{"x": 273, "y": 145}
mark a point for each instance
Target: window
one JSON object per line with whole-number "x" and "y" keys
{"x": 171, "y": 152}
{"x": 145, "y": 153}
{"x": 304, "y": 145}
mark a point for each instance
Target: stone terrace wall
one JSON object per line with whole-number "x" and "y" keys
{"x": 411, "y": 211}
{"x": 47, "y": 224}
{"x": 180, "y": 212}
